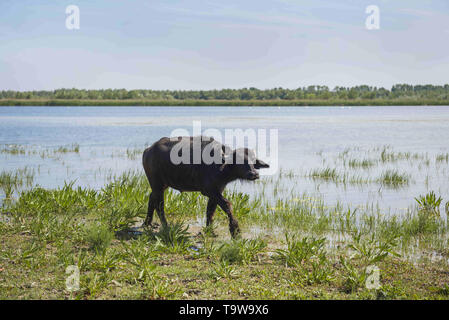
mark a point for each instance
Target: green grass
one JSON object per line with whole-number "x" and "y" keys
{"x": 298, "y": 251}
{"x": 443, "y": 157}
{"x": 393, "y": 178}
{"x": 13, "y": 181}
{"x": 98, "y": 237}
{"x": 43, "y": 153}
{"x": 389, "y": 178}
{"x": 365, "y": 163}
{"x": 387, "y": 155}
{"x": 326, "y": 174}
{"x": 325, "y": 254}
{"x": 134, "y": 154}
{"x": 66, "y": 149}
{"x": 242, "y": 251}
{"x": 173, "y": 238}
{"x": 429, "y": 204}
{"x": 13, "y": 149}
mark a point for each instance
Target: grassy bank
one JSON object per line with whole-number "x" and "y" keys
{"x": 301, "y": 248}
{"x": 141, "y": 102}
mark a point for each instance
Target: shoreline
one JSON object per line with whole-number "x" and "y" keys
{"x": 220, "y": 103}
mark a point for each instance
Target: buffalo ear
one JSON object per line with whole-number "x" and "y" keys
{"x": 260, "y": 164}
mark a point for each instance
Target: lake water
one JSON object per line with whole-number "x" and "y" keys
{"x": 310, "y": 138}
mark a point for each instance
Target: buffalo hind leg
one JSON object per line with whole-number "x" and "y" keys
{"x": 160, "y": 208}
{"x": 211, "y": 206}
{"x": 151, "y": 207}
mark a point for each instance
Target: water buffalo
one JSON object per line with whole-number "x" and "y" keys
{"x": 197, "y": 164}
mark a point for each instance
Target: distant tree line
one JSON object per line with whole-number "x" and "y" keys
{"x": 399, "y": 91}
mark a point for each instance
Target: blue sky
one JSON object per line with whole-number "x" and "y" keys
{"x": 221, "y": 44}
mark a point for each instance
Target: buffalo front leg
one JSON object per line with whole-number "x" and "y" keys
{"x": 227, "y": 207}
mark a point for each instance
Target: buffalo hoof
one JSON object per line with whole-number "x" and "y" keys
{"x": 234, "y": 229}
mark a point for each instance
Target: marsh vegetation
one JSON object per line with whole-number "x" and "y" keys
{"x": 293, "y": 247}
{"x": 333, "y": 215}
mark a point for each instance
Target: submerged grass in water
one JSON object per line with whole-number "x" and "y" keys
{"x": 393, "y": 178}
{"x": 12, "y": 181}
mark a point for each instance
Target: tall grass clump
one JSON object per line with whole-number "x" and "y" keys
{"x": 98, "y": 237}
{"x": 365, "y": 163}
{"x": 391, "y": 156}
{"x": 429, "y": 204}
{"x": 442, "y": 157}
{"x": 309, "y": 259}
{"x": 241, "y": 251}
{"x": 75, "y": 148}
{"x": 298, "y": 251}
{"x": 13, "y": 150}
{"x": 16, "y": 179}
{"x": 133, "y": 154}
{"x": 173, "y": 238}
{"x": 364, "y": 256}
{"x": 393, "y": 178}
{"x": 141, "y": 256}
{"x": 418, "y": 226}
{"x": 185, "y": 204}
{"x": 242, "y": 205}
{"x": 124, "y": 198}
{"x": 325, "y": 174}
{"x": 65, "y": 200}
{"x": 223, "y": 269}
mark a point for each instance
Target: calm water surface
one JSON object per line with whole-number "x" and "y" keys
{"x": 310, "y": 138}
